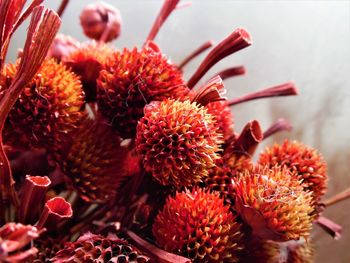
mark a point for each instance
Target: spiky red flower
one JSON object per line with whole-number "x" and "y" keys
{"x": 49, "y": 107}
{"x": 96, "y": 248}
{"x": 274, "y": 204}
{"x": 95, "y": 161}
{"x": 178, "y": 141}
{"x": 304, "y": 160}
{"x": 197, "y": 225}
{"x": 130, "y": 80}
{"x": 223, "y": 116}
{"x": 87, "y": 61}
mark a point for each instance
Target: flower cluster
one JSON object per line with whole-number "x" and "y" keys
{"x": 110, "y": 155}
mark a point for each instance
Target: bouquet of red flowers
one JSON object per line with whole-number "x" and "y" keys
{"x": 110, "y": 155}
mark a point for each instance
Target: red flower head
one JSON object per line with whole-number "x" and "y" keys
{"x": 95, "y": 162}
{"x": 96, "y": 248}
{"x": 303, "y": 160}
{"x": 273, "y": 203}
{"x": 101, "y": 21}
{"x": 62, "y": 46}
{"x": 49, "y": 107}
{"x": 130, "y": 80}
{"x": 178, "y": 141}
{"x": 199, "y": 226}
{"x": 87, "y": 61}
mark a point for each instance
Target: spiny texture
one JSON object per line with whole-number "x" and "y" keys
{"x": 274, "y": 204}
{"x": 47, "y": 247}
{"x": 301, "y": 252}
{"x": 225, "y": 172}
{"x": 223, "y": 116}
{"x": 130, "y": 80}
{"x": 49, "y": 107}
{"x": 95, "y": 163}
{"x": 199, "y": 226}
{"x": 304, "y": 160}
{"x": 178, "y": 141}
{"x": 87, "y": 61}
{"x": 96, "y": 248}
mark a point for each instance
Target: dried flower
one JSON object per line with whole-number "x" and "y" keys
{"x": 47, "y": 249}
{"x": 96, "y": 248}
{"x": 48, "y": 108}
{"x": 95, "y": 162}
{"x": 62, "y": 46}
{"x": 304, "y": 160}
{"x": 223, "y": 116}
{"x": 178, "y": 142}
{"x": 132, "y": 79}
{"x": 273, "y": 203}
{"x": 101, "y": 21}
{"x": 87, "y": 61}
{"x": 13, "y": 238}
{"x": 197, "y": 225}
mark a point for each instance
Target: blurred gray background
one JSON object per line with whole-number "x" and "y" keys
{"x": 304, "y": 41}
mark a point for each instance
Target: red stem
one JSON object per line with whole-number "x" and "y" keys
{"x": 231, "y": 72}
{"x": 62, "y": 7}
{"x": 330, "y": 227}
{"x": 280, "y": 125}
{"x": 337, "y": 198}
{"x": 236, "y": 41}
{"x": 196, "y": 53}
{"x": 286, "y": 89}
{"x": 167, "y": 8}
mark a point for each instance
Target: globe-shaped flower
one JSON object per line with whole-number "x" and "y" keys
{"x": 87, "y": 61}
{"x": 96, "y": 248}
{"x": 273, "y": 203}
{"x": 95, "y": 162}
{"x": 197, "y": 225}
{"x": 49, "y": 107}
{"x": 304, "y": 160}
{"x": 178, "y": 141}
{"x": 130, "y": 80}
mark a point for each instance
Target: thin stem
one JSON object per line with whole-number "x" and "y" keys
{"x": 286, "y": 89}
{"x": 338, "y": 198}
{"x": 196, "y": 53}
{"x": 231, "y": 72}
{"x": 62, "y": 7}
{"x": 280, "y": 125}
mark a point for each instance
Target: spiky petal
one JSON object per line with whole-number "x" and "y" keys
{"x": 96, "y": 248}
{"x": 178, "y": 141}
{"x": 304, "y": 160}
{"x": 132, "y": 79}
{"x": 223, "y": 116}
{"x": 197, "y": 225}
{"x": 273, "y": 203}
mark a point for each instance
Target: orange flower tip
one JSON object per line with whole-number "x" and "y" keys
{"x": 280, "y": 125}
{"x": 196, "y": 224}
{"x": 186, "y": 138}
{"x": 96, "y": 248}
{"x": 287, "y": 89}
{"x": 55, "y": 210}
{"x": 33, "y": 194}
{"x": 196, "y": 53}
{"x": 274, "y": 204}
{"x": 165, "y": 11}
{"x": 236, "y": 41}
{"x": 303, "y": 160}
{"x": 210, "y": 92}
{"x": 232, "y": 72}
{"x": 247, "y": 141}
{"x": 130, "y": 80}
{"x": 101, "y": 21}
{"x": 62, "y": 46}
